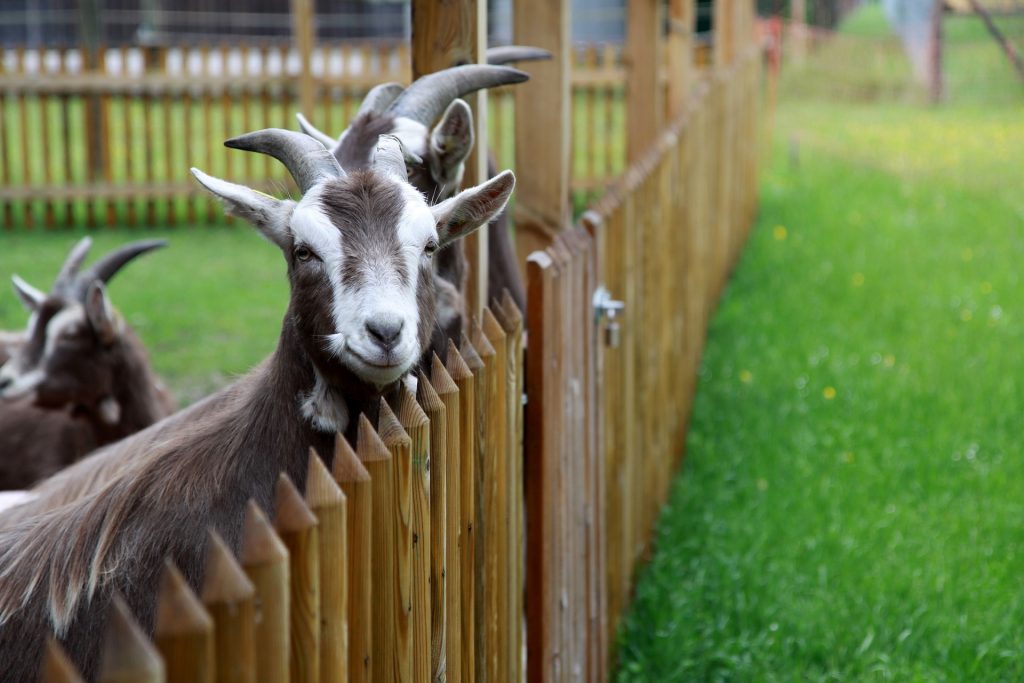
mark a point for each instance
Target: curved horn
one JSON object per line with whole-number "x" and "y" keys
{"x": 427, "y": 97}
{"x": 380, "y": 97}
{"x": 314, "y": 132}
{"x": 65, "y": 279}
{"x": 108, "y": 266}
{"x": 306, "y": 159}
{"x": 388, "y": 156}
{"x": 516, "y": 53}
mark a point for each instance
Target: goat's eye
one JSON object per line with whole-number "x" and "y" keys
{"x": 303, "y": 254}
{"x": 430, "y": 248}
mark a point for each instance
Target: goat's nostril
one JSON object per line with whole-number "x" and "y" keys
{"x": 385, "y": 332}
{"x": 5, "y": 382}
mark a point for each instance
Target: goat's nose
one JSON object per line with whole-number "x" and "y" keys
{"x": 385, "y": 331}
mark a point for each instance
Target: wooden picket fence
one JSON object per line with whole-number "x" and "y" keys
{"x": 402, "y": 561}
{"x": 107, "y": 137}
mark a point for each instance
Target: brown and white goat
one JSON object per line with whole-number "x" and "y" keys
{"x": 435, "y": 157}
{"x": 358, "y": 247}
{"x": 81, "y": 377}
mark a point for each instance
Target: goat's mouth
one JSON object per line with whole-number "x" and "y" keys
{"x": 379, "y": 369}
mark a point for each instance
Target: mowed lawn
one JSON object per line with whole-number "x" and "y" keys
{"x": 851, "y": 502}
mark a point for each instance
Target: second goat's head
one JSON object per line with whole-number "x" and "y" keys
{"x": 76, "y": 343}
{"x": 433, "y": 124}
{"x": 358, "y": 247}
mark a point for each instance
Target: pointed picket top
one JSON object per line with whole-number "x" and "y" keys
{"x": 369, "y": 445}
{"x": 225, "y": 582}
{"x": 127, "y": 653}
{"x": 481, "y": 343}
{"x": 57, "y": 668}
{"x": 469, "y": 353}
{"x": 260, "y": 543}
{"x": 442, "y": 382}
{"x": 346, "y": 466}
{"x": 410, "y": 413}
{"x": 321, "y": 489}
{"x": 178, "y": 609}
{"x": 291, "y": 513}
{"x": 513, "y": 316}
{"x": 492, "y": 328}
{"x": 391, "y": 431}
{"x": 456, "y": 364}
{"x": 426, "y": 395}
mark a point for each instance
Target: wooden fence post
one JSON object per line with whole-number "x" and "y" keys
{"x": 680, "y": 55}
{"x": 228, "y": 596}
{"x": 355, "y": 482}
{"x": 464, "y": 380}
{"x": 433, "y": 408}
{"x": 265, "y": 561}
{"x": 128, "y": 656}
{"x": 416, "y": 425}
{"x": 297, "y": 527}
{"x": 327, "y": 501}
{"x": 183, "y": 631}
{"x": 447, "y": 33}
{"x": 644, "y": 109}
{"x": 798, "y": 28}
{"x": 448, "y": 392}
{"x": 543, "y": 130}
{"x": 304, "y": 37}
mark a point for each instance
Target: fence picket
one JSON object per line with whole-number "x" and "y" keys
{"x": 184, "y": 631}
{"x": 264, "y": 558}
{"x": 299, "y": 531}
{"x": 328, "y": 504}
{"x": 228, "y": 596}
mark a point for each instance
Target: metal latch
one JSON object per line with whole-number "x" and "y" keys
{"x": 607, "y": 310}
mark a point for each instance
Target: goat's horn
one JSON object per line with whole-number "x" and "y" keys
{"x": 516, "y": 53}
{"x": 428, "y": 96}
{"x": 314, "y": 132}
{"x": 380, "y": 98}
{"x": 306, "y": 159}
{"x": 388, "y": 156}
{"x": 108, "y": 266}
{"x": 66, "y": 277}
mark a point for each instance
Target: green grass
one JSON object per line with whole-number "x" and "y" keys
{"x": 850, "y": 504}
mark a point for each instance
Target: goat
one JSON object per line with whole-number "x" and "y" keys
{"x": 435, "y": 159}
{"x": 81, "y": 377}
{"x": 358, "y": 248}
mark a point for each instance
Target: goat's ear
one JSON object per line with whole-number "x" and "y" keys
{"x": 468, "y": 210}
{"x": 31, "y": 298}
{"x": 100, "y": 313}
{"x": 269, "y": 215}
{"x": 452, "y": 138}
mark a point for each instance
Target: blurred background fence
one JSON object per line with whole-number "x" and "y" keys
{"x": 104, "y": 105}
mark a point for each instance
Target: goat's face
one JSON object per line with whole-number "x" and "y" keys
{"x": 359, "y": 249}
{"x": 70, "y": 355}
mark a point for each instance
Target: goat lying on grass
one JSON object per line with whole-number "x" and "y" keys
{"x": 435, "y": 153}
{"x": 81, "y": 377}
{"x": 359, "y": 247}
